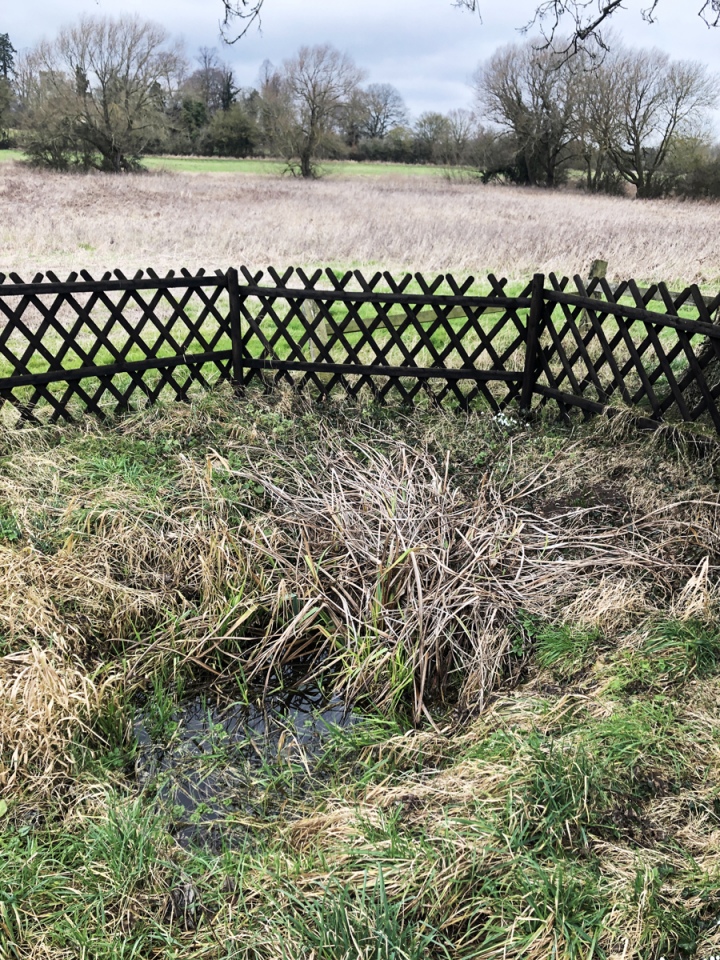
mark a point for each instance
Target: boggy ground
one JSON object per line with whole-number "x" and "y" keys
{"x": 523, "y": 621}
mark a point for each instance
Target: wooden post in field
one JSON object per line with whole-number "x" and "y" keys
{"x": 532, "y": 343}
{"x": 598, "y": 270}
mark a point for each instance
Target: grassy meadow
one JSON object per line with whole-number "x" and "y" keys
{"x": 270, "y": 167}
{"x": 328, "y": 168}
{"x": 284, "y": 680}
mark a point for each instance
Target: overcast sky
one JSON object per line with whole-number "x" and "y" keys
{"x": 427, "y": 48}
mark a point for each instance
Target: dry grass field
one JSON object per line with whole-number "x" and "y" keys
{"x": 171, "y": 220}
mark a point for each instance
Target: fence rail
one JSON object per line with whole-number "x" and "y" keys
{"x": 86, "y": 344}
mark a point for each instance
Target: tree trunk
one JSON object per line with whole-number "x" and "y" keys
{"x": 306, "y": 164}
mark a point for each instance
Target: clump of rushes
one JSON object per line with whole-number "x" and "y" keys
{"x": 407, "y": 587}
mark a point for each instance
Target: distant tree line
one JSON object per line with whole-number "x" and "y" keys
{"x": 107, "y": 92}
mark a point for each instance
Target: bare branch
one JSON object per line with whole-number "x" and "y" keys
{"x": 587, "y": 17}
{"x": 245, "y": 11}
{"x": 711, "y": 13}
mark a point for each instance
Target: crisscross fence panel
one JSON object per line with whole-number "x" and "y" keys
{"x": 85, "y": 345}
{"x": 603, "y": 348}
{"x": 118, "y": 342}
{"x": 404, "y": 337}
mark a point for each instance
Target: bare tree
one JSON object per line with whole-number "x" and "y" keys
{"x": 275, "y": 114}
{"x": 462, "y": 125}
{"x": 432, "y": 137}
{"x": 315, "y": 86}
{"x": 107, "y": 84}
{"x": 650, "y": 104}
{"x": 533, "y": 95}
{"x": 372, "y": 113}
{"x": 385, "y": 109}
{"x": 444, "y": 138}
{"x": 353, "y": 119}
{"x": 213, "y": 83}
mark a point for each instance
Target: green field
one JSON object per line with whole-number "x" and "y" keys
{"x": 272, "y": 167}
{"x": 326, "y": 168}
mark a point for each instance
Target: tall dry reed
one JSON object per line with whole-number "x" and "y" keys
{"x": 171, "y": 220}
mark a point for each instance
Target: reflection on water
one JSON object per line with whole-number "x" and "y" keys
{"x": 218, "y": 765}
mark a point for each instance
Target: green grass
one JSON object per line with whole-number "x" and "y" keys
{"x": 331, "y": 168}
{"x": 215, "y": 165}
{"x": 565, "y": 649}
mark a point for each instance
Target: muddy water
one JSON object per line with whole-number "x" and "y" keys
{"x": 217, "y": 766}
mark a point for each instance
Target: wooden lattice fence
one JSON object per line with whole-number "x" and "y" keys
{"x": 80, "y": 344}
{"x": 598, "y": 351}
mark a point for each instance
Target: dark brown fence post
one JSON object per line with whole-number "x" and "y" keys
{"x": 537, "y": 306}
{"x": 233, "y": 286}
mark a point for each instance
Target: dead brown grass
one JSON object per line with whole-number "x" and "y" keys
{"x": 171, "y": 220}
{"x": 426, "y": 588}
{"x": 49, "y": 701}
{"x": 366, "y": 552}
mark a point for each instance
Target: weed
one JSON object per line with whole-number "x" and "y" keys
{"x": 669, "y": 655}
{"x": 356, "y": 923}
{"x": 565, "y": 649}
{"x": 562, "y": 795}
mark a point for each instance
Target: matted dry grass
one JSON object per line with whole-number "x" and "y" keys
{"x": 171, "y": 220}
{"x": 402, "y": 583}
{"x": 418, "y": 585}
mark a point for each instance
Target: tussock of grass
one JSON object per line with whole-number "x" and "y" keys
{"x": 382, "y": 566}
{"x": 48, "y": 701}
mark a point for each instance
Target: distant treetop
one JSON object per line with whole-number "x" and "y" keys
{"x": 7, "y": 57}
